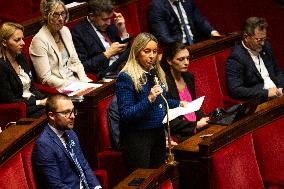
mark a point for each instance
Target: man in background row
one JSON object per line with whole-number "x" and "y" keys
{"x": 178, "y": 20}
{"x": 251, "y": 68}
{"x": 98, "y": 40}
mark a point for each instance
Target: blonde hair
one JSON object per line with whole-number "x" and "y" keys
{"x": 6, "y": 31}
{"x": 133, "y": 67}
{"x": 47, "y": 8}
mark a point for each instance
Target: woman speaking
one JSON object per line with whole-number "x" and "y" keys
{"x": 141, "y": 106}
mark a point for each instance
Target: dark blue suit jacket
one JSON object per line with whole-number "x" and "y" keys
{"x": 90, "y": 48}
{"x": 164, "y": 24}
{"x": 244, "y": 80}
{"x": 53, "y": 166}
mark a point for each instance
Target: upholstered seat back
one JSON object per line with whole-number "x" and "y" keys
{"x": 234, "y": 166}
{"x": 207, "y": 83}
{"x": 269, "y": 150}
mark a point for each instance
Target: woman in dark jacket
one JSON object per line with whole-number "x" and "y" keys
{"x": 15, "y": 75}
{"x": 181, "y": 86}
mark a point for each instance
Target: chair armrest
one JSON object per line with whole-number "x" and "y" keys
{"x": 21, "y": 106}
{"x": 113, "y": 163}
{"x": 12, "y": 111}
{"x": 102, "y": 177}
{"x": 45, "y": 89}
{"x": 92, "y": 77}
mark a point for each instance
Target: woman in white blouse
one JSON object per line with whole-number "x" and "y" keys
{"x": 52, "y": 50}
{"x": 15, "y": 75}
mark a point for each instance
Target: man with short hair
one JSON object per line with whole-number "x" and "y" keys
{"x": 57, "y": 159}
{"x": 178, "y": 20}
{"x": 251, "y": 68}
{"x": 98, "y": 41}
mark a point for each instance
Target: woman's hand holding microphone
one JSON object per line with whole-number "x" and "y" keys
{"x": 155, "y": 91}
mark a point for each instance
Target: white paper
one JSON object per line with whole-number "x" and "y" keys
{"x": 73, "y": 4}
{"x": 190, "y": 107}
{"x": 77, "y": 87}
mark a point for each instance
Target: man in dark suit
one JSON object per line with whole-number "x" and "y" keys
{"x": 98, "y": 41}
{"x": 58, "y": 161}
{"x": 251, "y": 68}
{"x": 167, "y": 24}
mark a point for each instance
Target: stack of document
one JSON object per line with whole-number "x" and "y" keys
{"x": 79, "y": 88}
{"x": 190, "y": 107}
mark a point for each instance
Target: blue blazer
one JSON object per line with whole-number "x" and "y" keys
{"x": 53, "y": 166}
{"x": 244, "y": 80}
{"x": 90, "y": 48}
{"x": 136, "y": 112}
{"x": 163, "y": 22}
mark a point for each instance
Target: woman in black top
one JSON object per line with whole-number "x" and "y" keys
{"x": 181, "y": 86}
{"x": 15, "y": 75}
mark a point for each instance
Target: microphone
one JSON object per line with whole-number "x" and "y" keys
{"x": 153, "y": 72}
{"x": 170, "y": 159}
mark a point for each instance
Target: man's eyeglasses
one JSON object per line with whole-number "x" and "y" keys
{"x": 56, "y": 15}
{"x": 259, "y": 40}
{"x": 68, "y": 113}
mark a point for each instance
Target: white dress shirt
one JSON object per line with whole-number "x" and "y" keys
{"x": 260, "y": 66}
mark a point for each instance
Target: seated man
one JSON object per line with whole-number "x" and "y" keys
{"x": 57, "y": 159}
{"x": 98, "y": 41}
{"x": 251, "y": 68}
{"x": 174, "y": 20}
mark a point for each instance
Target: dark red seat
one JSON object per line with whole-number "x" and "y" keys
{"x": 235, "y": 166}
{"x": 13, "y": 174}
{"x": 129, "y": 12}
{"x": 11, "y": 112}
{"x": 26, "y": 157}
{"x": 142, "y": 7}
{"x": 207, "y": 83}
{"x": 269, "y": 150}
{"x": 108, "y": 160}
{"x": 104, "y": 140}
{"x": 221, "y": 59}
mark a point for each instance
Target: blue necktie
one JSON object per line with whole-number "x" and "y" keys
{"x": 69, "y": 144}
{"x": 188, "y": 37}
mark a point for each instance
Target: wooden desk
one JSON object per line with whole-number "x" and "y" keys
{"x": 138, "y": 173}
{"x": 17, "y": 136}
{"x": 154, "y": 178}
{"x": 194, "y": 154}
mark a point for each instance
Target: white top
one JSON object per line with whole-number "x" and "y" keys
{"x": 260, "y": 66}
{"x": 65, "y": 57}
{"x": 26, "y": 81}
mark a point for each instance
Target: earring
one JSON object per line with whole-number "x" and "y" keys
{"x": 4, "y": 43}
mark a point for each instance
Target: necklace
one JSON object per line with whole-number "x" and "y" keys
{"x": 57, "y": 40}
{"x": 56, "y": 37}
